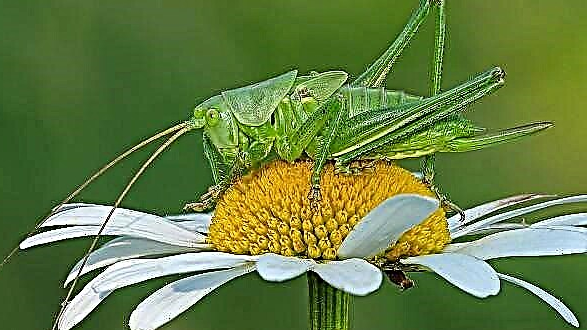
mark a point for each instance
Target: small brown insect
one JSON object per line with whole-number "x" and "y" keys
{"x": 399, "y": 278}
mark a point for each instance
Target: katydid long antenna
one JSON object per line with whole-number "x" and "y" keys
{"x": 95, "y": 176}
{"x": 181, "y": 130}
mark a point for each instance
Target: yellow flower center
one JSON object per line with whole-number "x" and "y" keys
{"x": 269, "y": 211}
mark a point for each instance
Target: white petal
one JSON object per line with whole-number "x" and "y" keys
{"x": 134, "y": 271}
{"x": 565, "y": 228}
{"x": 498, "y": 227}
{"x": 479, "y": 211}
{"x": 175, "y": 298}
{"x": 355, "y": 276}
{"x": 276, "y": 268}
{"x": 577, "y": 219}
{"x": 199, "y": 222}
{"x": 563, "y": 310}
{"x": 526, "y": 242}
{"x": 165, "y": 233}
{"x": 63, "y": 234}
{"x": 124, "y": 248}
{"x": 79, "y": 307}
{"x": 130, "y": 272}
{"x": 454, "y": 247}
{"x": 471, "y": 275}
{"x": 94, "y": 215}
{"x": 514, "y": 213}
{"x": 385, "y": 224}
{"x": 66, "y": 207}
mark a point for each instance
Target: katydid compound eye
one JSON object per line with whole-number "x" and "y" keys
{"x": 212, "y": 117}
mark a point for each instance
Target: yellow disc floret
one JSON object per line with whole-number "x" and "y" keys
{"x": 269, "y": 211}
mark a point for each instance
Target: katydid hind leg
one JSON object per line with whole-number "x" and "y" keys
{"x": 370, "y": 133}
{"x": 428, "y": 162}
{"x": 428, "y": 169}
{"x": 375, "y": 75}
{"x": 447, "y": 107}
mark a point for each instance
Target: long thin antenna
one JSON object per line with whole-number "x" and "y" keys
{"x": 94, "y": 177}
{"x": 116, "y": 204}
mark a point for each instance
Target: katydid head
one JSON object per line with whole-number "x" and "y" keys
{"x": 215, "y": 117}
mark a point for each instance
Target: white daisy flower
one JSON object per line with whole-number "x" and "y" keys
{"x": 381, "y": 222}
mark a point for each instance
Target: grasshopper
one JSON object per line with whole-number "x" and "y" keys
{"x": 323, "y": 116}
{"x": 327, "y": 117}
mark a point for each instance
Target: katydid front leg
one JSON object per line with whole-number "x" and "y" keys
{"x": 232, "y": 168}
{"x": 221, "y": 174}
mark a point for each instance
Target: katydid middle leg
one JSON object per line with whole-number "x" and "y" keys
{"x": 321, "y": 126}
{"x": 335, "y": 114}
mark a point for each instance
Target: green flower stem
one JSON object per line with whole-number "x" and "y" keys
{"x": 328, "y": 307}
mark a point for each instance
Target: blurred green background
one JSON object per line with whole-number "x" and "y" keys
{"x": 80, "y": 81}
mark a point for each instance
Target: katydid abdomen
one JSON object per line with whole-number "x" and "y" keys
{"x": 362, "y": 99}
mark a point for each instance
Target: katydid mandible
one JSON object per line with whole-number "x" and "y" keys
{"x": 325, "y": 116}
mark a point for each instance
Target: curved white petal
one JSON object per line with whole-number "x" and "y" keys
{"x": 385, "y": 224}
{"x": 498, "y": 227}
{"x": 63, "y": 234}
{"x": 526, "y": 242}
{"x": 355, "y": 276}
{"x": 470, "y": 274}
{"x": 134, "y": 271}
{"x": 170, "y": 234}
{"x": 577, "y": 219}
{"x": 68, "y": 206}
{"x": 582, "y": 230}
{"x": 479, "y": 211}
{"x": 466, "y": 230}
{"x": 276, "y": 268}
{"x": 124, "y": 248}
{"x": 94, "y": 215}
{"x": 199, "y": 222}
{"x": 175, "y": 298}
{"x": 79, "y": 307}
{"x": 556, "y": 304}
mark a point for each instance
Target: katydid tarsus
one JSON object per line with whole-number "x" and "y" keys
{"x": 328, "y": 117}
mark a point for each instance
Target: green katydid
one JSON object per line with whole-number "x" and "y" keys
{"x": 327, "y": 117}
{"x": 324, "y": 117}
